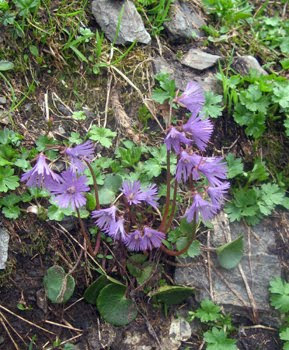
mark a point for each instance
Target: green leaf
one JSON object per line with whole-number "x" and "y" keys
{"x": 284, "y": 335}
{"x": 194, "y": 249}
{"x": 217, "y": 340}
{"x": 106, "y": 196}
{"x": 167, "y": 90}
{"x": 58, "y": 285}
{"x": 279, "y": 294}
{"x": 57, "y": 214}
{"x": 208, "y": 311}
{"x": 43, "y": 141}
{"x": 75, "y": 138}
{"x": 212, "y": 107}
{"x": 285, "y": 63}
{"x": 103, "y": 135}
{"x": 113, "y": 182}
{"x": 92, "y": 292}
{"x": 6, "y": 65}
{"x": 11, "y": 212}
{"x": 153, "y": 168}
{"x": 34, "y": 50}
{"x": 258, "y": 172}
{"x": 171, "y": 295}
{"x": 235, "y": 166}
{"x": 114, "y": 307}
{"x": 79, "y": 115}
{"x": 8, "y": 181}
{"x": 269, "y": 195}
{"x": 230, "y": 254}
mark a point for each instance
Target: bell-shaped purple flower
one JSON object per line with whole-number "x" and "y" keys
{"x": 185, "y": 166}
{"x": 201, "y": 131}
{"x": 105, "y": 217}
{"x": 150, "y": 195}
{"x": 215, "y": 170}
{"x": 132, "y": 192}
{"x": 117, "y": 230}
{"x": 149, "y": 239}
{"x": 70, "y": 191}
{"x": 175, "y": 139}
{"x": 40, "y": 173}
{"x": 217, "y": 193}
{"x": 200, "y": 207}
{"x": 78, "y": 154}
{"x": 193, "y": 98}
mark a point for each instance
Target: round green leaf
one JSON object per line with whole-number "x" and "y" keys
{"x": 6, "y": 65}
{"x": 230, "y": 254}
{"x": 91, "y": 293}
{"x": 58, "y": 285}
{"x": 114, "y": 307}
{"x": 172, "y": 294}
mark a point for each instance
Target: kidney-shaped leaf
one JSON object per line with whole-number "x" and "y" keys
{"x": 114, "y": 307}
{"x": 230, "y": 254}
{"x": 172, "y": 294}
{"x": 58, "y": 285}
{"x": 91, "y": 293}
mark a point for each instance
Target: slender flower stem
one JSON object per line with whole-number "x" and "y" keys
{"x": 97, "y": 244}
{"x": 83, "y": 232}
{"x": 167, "y": 204}
{"x": 94, "y": 184}
{"x": 171, "y": 217}
{"x": 175, "y": 252}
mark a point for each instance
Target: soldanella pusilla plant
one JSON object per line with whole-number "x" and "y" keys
{"x": 137, "y": 218}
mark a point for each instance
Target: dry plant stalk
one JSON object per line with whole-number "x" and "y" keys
{"x": 122, "y": 119}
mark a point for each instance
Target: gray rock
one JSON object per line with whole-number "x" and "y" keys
{"x": 182, "y": 75}
{"x": 184, "y": 22}
{"x": 3, "y": 100}
{"x": 259, "y": 266}
{"x": 4, "y": 243}
{"x": 180, "y": 330}
{"x": 107, "y": 14}
{"x": 244, "y": 64}
{"x": 199, "y": 59}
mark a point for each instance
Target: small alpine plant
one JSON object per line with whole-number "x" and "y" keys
{"x": 137, "y": 218}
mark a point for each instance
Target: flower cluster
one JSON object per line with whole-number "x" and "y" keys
{"x": 124, "y": 220}
{"x": 116, "y": 223}
{"x": 192, "y": 165}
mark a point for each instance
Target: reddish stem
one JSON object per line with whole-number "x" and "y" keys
{"x": 167, "y": 204}
{"x": 97, "y": 244}
{"x": 84, "y": 234}
{"x": 179, "y": 252}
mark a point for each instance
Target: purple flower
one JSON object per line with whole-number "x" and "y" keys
{"x": 201, "y": 131}
{"x": 40, "y": 173}
{"x": 200, "y": 207}
{"x": 185, "y": 166}
{"x": 69, "y": 192}
{"x": 214, "y": 168}
{"x": 217, "y": 193}
{"x": 150, "y": 239}
{"x": 133, "y": 240}
{"x": 105, "y": 217}
{"x": 117, "y": 230}
{"x": 132, "y": 192}
{"x": 192, "y": 98}
{"x": 79, "y": 153}
{"x": 150, "y": 195}
{"x": 175, "y": 138}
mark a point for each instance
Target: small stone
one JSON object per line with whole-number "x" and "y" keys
{"x": 4, "y": 244}
{"x": 199, "y": 59}
{"x": 182, "y": 75}
{"x": 3, "y": 100}
{"x": 180, "y": 330}
{"x": 185, "y": 22}
{"x": 107, "y": 14}
{"x": 244, "y": 64}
